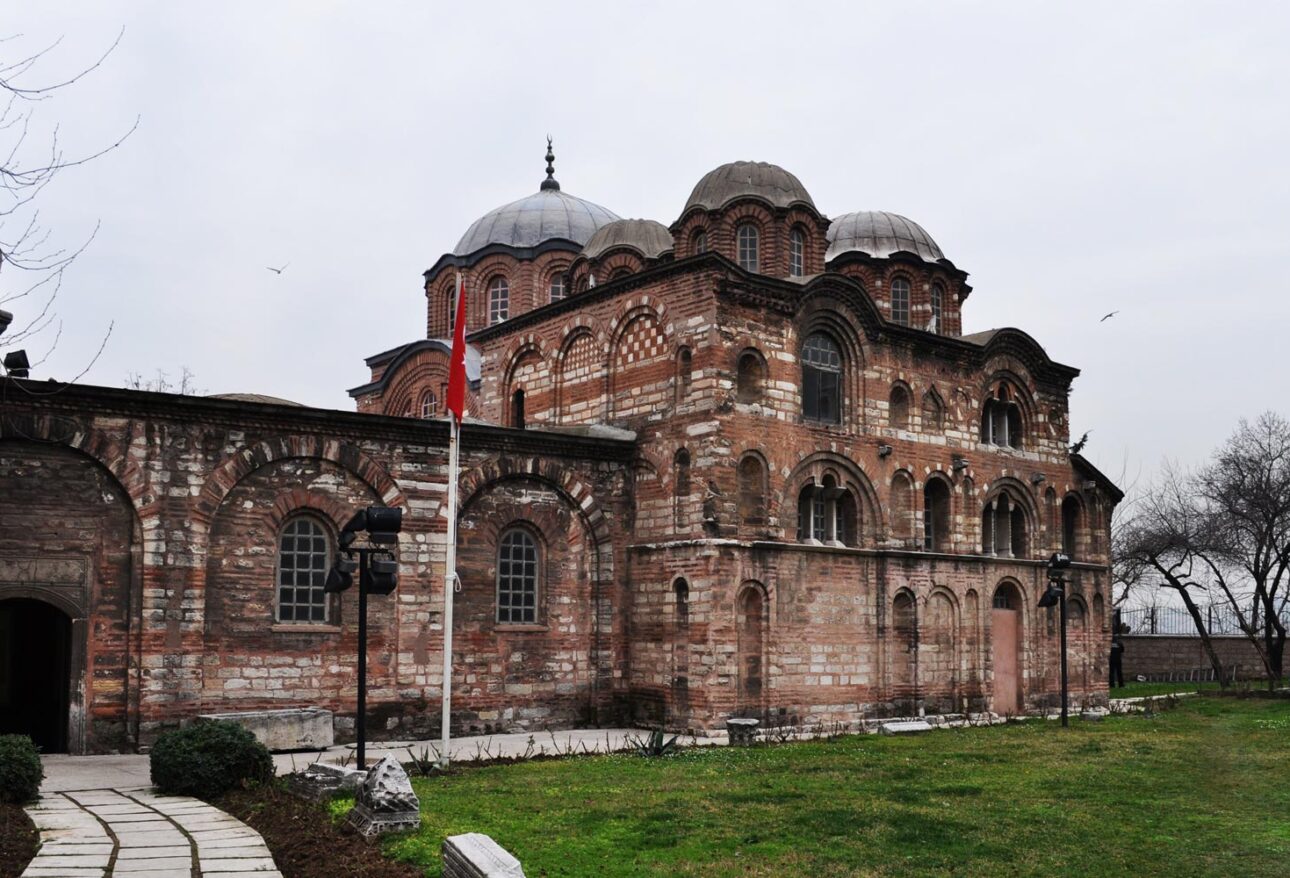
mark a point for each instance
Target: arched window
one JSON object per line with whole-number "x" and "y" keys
{"x": 826, "y": 513}
{"x": 752, "y": 491}
{"x": 303, "y": 560}
{"x": 684, "y": 374}
{"x": 796, "y": 252}
{"x": 902, "y": 507}
{"x": 699, "y": 242}
{"x": 938, "y": 309}
{"x": 499, "y": 300}
{"x": 450, "y": 299}
{"x": 1070, "y": 526}
{"x": 681, "y": 488}
{"x": 933, "y": 413}
{"x": 517, "y": 409}
{"x": 1003, "y": 528}
{"x": 1001, "y": 420}
{"x": 429, "y": 404}
{"x": 557, "y": 288}
{"x": 747, "y": 240}
{"x": 936, "y": 516}
{"x": 517, "y": 578}
{"x": 822, "y": 379}
{"x": 898, "y": 408}
{"x": 748, "y": 380}
{"x": 900, "y": 301}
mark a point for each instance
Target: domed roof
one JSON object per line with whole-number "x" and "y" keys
{"x": 255, "y": 397}
{"x": 880, "y": 234}
{"x": 722, "y": 185}
{"x": 543, "y": 216}
{"x": 651, "y": 239}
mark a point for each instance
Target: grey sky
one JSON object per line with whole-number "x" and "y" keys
{"x": 1077, "y": 161}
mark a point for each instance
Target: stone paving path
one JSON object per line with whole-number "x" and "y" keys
{"x": 141, "y": 834}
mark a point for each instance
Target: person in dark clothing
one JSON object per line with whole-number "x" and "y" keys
{"x": 1117, "y": 667}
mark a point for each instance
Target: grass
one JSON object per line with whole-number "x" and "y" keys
{"x": 1200, "y": 790}
{"x": 1134, "y": 689}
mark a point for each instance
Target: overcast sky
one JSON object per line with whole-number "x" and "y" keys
{"x": 1116, "y": 156}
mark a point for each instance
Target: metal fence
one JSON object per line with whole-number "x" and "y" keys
{"x": 1219, "y": 619}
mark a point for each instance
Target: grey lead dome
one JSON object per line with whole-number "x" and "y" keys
{"x": 542, "y": 216}
{"x": 880, "y": 234}
{"x": 647, "y": 237}
{"x": 762, "y": 180}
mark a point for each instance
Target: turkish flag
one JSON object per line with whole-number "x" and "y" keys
{"x": 457, "y": 363}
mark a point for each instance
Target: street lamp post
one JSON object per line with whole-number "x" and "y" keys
{"x": 1056, "y": 595}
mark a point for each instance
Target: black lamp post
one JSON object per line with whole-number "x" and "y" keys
{"x": 378, "y": 573}
{"x": 1055, "y": 595}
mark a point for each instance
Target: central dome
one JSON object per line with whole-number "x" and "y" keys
{"x": 763, "y": 180}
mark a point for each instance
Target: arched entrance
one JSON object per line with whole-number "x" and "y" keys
{"x": 1005, "y": 648}
{"x": 35, "y": 672}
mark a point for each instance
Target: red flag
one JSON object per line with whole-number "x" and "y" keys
{"x": 457, "y": 363}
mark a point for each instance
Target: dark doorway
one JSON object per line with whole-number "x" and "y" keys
{"x": 35, "y": 666}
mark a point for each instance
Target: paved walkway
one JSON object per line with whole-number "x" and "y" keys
{"x": 140, "y": 834}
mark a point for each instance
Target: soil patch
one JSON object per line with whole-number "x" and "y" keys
{"x": 303, "y": 839}
{"x": 18, "y": 840}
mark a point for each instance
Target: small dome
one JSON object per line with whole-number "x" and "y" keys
{"x": 649, "y": 238}
{"x": 758, "y": 179}
{"x": 880, "y": 234}
{"x": 256, "y": 398}
{"x": 543, "y": 216}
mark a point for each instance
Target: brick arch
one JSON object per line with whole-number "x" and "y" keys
{"x": 1019, "y": 492}
{"x": 630, "y": 310}
{"x": 425, "y": 370}
{"x": 516, "y": 351}
{"x": 812, "y": 468}
{"x": 299, "y": 500}
{"x": 564, "y": 481}
{"x": 248, "y": 459}
{"x": 595, "y": 378}
{"x": 110, "y": 453}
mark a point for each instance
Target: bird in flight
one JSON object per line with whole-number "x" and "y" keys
{"x": 1079, "y": 446}
{"x": 277, "y": 270}
{"x": 1108, "y": 316}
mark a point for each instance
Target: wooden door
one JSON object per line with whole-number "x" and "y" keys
{"x": 1004, "y": 642}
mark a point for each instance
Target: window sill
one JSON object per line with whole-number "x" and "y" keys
{"x": 515, "y": 628}
{"x": 305, "y": 628}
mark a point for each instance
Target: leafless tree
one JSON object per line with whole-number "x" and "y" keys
{"x": 161, "y": 383}
{"x": 26, "y": 168}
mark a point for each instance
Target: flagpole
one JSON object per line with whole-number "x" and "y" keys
{"x": 450, "y": 548}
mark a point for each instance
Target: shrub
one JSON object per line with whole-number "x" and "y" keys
{"x": 20, "y": 771}
{"x": 207, "y": 759}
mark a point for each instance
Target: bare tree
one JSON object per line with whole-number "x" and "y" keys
{"x": 1162, "y": 542}
{"x": 26, "y": 168}
{"x": 184, "y": 385}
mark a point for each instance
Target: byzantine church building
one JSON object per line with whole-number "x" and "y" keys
{"x": 742, "y": 463}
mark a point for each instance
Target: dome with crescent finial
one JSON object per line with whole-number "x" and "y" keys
{"x": 549, "y": 214}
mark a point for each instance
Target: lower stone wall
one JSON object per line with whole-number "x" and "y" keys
{"x": 1148, "y": 654}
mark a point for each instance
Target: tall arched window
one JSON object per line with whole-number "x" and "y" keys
{"x": 699, "y": 243}
{"x": 900, "y": 301}
{"x": 822, "y": 379}
{"x": 684, "y": 374}
{"x": 902, "y": 507}
{"x": 796, "y": 252}
{"x": 499, "y": 300}
{"x": 429, "y": 404}
{"x": 557, "y": 288}
{"x": 936, "y": 516}
{"x": 898, "y": 408}
{"x": 747, "y": 240}
{"x": 938, "y": 309}
{"x": 1070, "y": 526}
{"x": 826, "y": 513}
{"x": 1001, "y": 420}
{"x": 517, "y": 578}
{"x": 748, "y": 380}
{"x": 752, "y": 491}
{"x": 681, "y": 488}
{"x": 1003, "y": 528}
{"x": 517, "y": 409}
{"x": 303, "y": 561}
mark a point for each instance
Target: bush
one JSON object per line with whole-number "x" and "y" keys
{"x": 20, "y": 771}
{"x": 207, "y": 759}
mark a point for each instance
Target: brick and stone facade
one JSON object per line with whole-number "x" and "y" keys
{"x": 718, "y": 530}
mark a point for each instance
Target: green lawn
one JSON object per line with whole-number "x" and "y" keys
{"x": 1135, "y": 689}
{"x": 1200, "y": 790}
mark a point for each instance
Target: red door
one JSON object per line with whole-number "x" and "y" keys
{"x": 1004, "y": 641}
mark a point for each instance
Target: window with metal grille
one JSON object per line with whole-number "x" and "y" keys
{"x": 303, "y": 559}
{"x": 822, "y": 379}
{"x": 517, "y": 578}
{"x": 747, "y": 241}
{"x": 900, "y": 301}
{"x": 499, "y": 300}
{"x": 796, "y": 253}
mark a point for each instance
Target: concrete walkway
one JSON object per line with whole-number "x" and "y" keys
{"x": 140, "y": 834}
